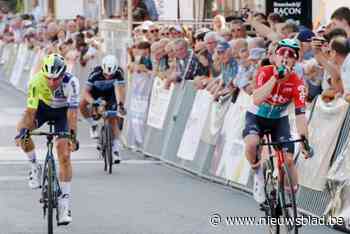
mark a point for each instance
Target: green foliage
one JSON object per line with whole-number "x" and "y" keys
{"x": 13, "y": 5}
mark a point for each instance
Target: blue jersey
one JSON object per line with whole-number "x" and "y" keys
{"x": 98, "y": 82}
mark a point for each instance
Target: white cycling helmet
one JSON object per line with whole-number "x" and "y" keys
{"x": 109, "y": 64}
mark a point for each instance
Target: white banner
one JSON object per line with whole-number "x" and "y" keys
{"x": 215, "y": 120}
{"x": 194, "y": 126}
{"x": 313, "y": 171}
{"x": 137, "y": 112}
{"x": 159, "y": 104}
{"x": 19, "y": 65}
{"x": 232, "y": 164}
{"x": 167, "y": 9}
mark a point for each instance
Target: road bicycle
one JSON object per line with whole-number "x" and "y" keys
{"x": 280, "y": 206}
{"x": 50, "y": 188}
{"x": 105, "y": 138}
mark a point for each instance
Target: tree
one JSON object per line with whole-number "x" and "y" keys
{"x": 12, "y": 5}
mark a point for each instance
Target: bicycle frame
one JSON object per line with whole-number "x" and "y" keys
{"x": 50, "y": 157}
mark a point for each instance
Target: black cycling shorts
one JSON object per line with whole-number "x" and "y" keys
{"x": 108, "y": 96}
{"x": 279, "y": 128}
{"x": 46, "y": 113}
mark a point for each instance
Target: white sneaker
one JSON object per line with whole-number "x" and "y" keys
{"x": 64, "y": 216}
{"x": 259, "y": 186}
{"x": 35, "y": 177}
{"x": 94, "y": 131}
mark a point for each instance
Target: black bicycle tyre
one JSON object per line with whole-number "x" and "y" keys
{"x": 103, "y": 146}
{"x": 285, "y": 206}
{"x": 270, "y": 209}
{"x": 50, "y": 197}
{"x": 109, "y": 153}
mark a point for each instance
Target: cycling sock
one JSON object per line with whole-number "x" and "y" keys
{"x": 66, "y": 188}
{"x": 116, "y": 143}
{"x": 91, "y": 121}
{"x": 32, "y": 157}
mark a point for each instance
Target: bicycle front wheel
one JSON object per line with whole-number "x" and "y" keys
{"x": 50, "y": 196}
{"x": 102, "y": 142}
{"x": 271, "y": 207}
{"x": 288, "y": 204}
{"x": 109, "y": 153}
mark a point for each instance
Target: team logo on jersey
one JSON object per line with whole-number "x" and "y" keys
{"x": 278, "y": 99}
{"x": 302, "y": 93}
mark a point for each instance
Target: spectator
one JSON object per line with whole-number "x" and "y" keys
{"x": 305, "y": 37}
{"x": 17, "y": 30}
{"x": 153, "y": 31}
{"x": 289, "y": 30}
{"x": 274, "y": 19}
{"x": 226, "y": 34}
{"x": 260, "y": 17}
{"x": 29, "y": 38}
{"x": 61, "y": 35}
{"x": 143, "y": 63}
{"x": 187, "y": 64}
{"x": 211, "y": 40}
{"x": 37, "y": 11}
{"x": 238, "y": 30}
{"x": 341, "y": 19}
{"x": 219, "y": 23}
{"x": 72, "y": 29}
{"x": 176, "y": 32}
{"x": 81, "y": 24}
{"x": 228, "y": 64}
{"x": 51, "y": 33}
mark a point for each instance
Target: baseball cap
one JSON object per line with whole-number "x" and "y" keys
{"x": 257, "y": 53}
{"x": 305, "y": 35}
{"x": 223, "y": 46}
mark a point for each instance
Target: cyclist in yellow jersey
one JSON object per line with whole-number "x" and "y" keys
{"x": 53, "y": 95}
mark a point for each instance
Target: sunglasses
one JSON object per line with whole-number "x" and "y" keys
{"x": 211, "y": 42}
{"x": 144, "y": 30}
{"x": 285, "y": 51}
{"x": 154, "y": 31}
{"x": 165, "y": 34}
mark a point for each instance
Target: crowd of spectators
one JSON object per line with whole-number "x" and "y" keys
{"x": 223, "y": 57}
{"x": 77, "y": 39}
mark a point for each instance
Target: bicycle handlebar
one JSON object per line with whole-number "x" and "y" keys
{"x": 279, "y": 143}
{"x": 303, "y": 140}
{"x": 60, "y": 134}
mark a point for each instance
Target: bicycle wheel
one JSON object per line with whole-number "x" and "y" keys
{"x": 109, "y": 153}
{"x": 270, "y": 207}
{"x": 103, "y": 146}
{"x": 50, "y": 197}
{"x": 288, "y": 204}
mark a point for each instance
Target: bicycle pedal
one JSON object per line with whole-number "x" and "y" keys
{"x": 62, "y": 224}
{"x": 263, "y": 206}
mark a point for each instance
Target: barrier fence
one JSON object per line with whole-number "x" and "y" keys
{"x": 187, "y": 129}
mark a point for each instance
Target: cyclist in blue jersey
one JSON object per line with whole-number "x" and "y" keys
{"x": 105, "y": 82}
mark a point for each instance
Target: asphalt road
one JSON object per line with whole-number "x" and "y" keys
{"x": 141, "y": 196}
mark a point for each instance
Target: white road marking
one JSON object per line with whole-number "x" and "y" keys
{"x": 12, "y": 178}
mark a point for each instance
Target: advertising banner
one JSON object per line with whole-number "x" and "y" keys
{"x": 299, "y": 10}
{"x": 194, "y": 126}
{"x": 160, "y": 99}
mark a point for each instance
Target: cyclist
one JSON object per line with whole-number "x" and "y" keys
{"x": 105, "y": 82}
{"x": 53, "y": 96}
{"x": 277, "y": 86}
